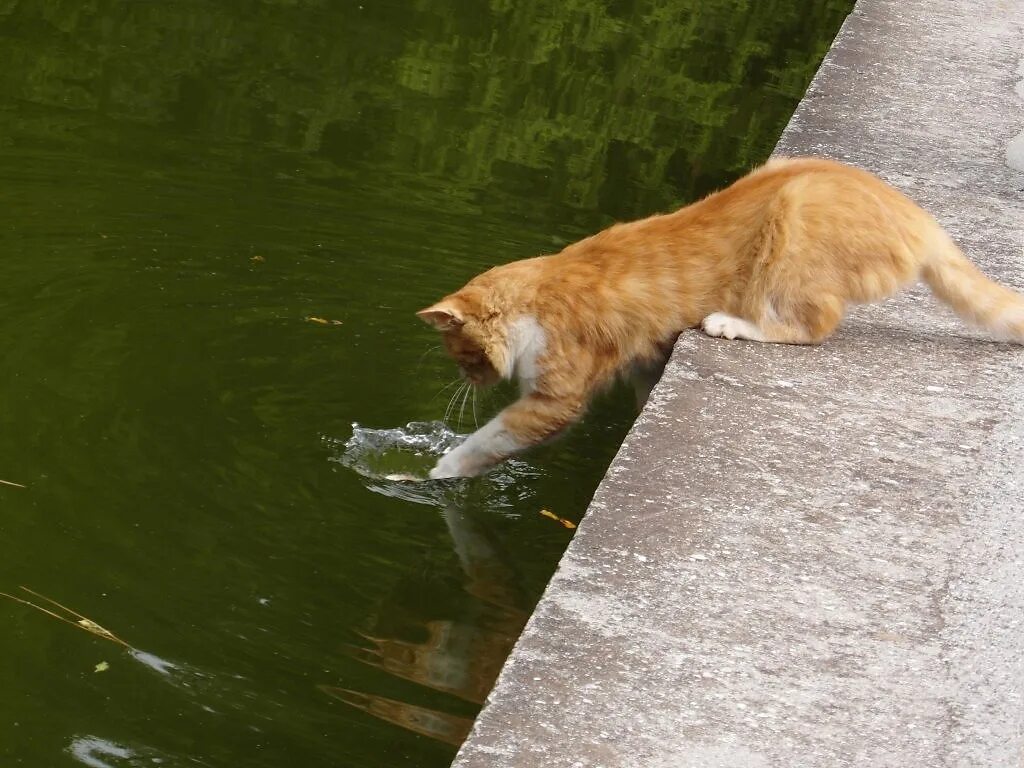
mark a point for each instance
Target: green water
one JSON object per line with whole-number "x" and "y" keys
{"x": 184, "y": 184}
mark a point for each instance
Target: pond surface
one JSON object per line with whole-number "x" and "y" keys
{"x": 217, "y": 221}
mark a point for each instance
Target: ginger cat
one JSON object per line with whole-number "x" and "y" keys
{"x": 776, "y": 257}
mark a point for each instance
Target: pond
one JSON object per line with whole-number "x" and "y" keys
{"x": 217, "y": 222}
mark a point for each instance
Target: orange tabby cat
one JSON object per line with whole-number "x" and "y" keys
{"x": 776, "y": 257}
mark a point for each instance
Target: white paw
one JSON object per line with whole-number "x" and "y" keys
{"x": 445, "y": 468}
{"x": 723, "y": 326}
{"x": 455, "y": 463}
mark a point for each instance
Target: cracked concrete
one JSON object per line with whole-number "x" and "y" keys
{"x": 815, "y": 556}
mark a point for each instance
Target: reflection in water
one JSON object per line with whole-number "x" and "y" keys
{"x": 457, "y": 656}
{"x": 441, "y": 726}
{"x": 461, "y": 656}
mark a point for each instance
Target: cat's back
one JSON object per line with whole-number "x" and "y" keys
{"x": 847, "y": 196}
{"x": 820, "y": 176}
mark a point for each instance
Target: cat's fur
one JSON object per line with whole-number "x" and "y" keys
{"x": 776, "y": 257}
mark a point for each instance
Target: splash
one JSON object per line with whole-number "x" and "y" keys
{"x": 154, "y": 662}
{"x": 396, "y": 462}
{"x": 96, "y": 752}
{"x": 403, "y": 454}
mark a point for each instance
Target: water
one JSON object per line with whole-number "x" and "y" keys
{"x": 402, "y": 454}
{"x": 217, "y": 222}
{"x": 396, "y": 462}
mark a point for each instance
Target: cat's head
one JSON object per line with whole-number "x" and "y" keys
{"x": 474, "y": 338}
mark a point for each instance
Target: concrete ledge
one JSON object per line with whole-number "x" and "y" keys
{"x": 815, "y": 556}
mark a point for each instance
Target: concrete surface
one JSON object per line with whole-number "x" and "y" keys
{"x": 815, "y": 556}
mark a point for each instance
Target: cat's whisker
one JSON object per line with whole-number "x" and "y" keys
{"x": 426, "y": 352}
{"x": 456, "y": 398}
{"x": 450, "y": 415}
{"x": 476, "y": 422}
{"x": 451, "y": 383}
{"x": 462, "y": 407}
{"x": 451, "y": 405}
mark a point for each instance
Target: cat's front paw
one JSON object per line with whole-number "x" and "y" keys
{"x": 451, "y": 465}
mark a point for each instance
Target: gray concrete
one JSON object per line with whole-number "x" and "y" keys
{"x": 815, "y": 556}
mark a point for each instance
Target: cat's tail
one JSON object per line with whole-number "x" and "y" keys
{"x": 972, "y": 295}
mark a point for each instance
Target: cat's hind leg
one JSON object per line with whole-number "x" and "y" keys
{"x": 797, "y": 289}
{"x": 722, "y": 325}
{"x": 804, "y": 321}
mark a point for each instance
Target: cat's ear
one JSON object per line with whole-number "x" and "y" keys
{"x": 442, "y": 316}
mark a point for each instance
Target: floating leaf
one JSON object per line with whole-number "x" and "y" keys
{"x": 77, "y": 620}
{"x": 256, "y": 258}
{"x": 322, "y": 321}
{"x": 565, "y": 523}
{"x": 102, "y": 667}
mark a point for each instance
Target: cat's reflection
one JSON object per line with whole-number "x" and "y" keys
{"x": 459, "y": 656}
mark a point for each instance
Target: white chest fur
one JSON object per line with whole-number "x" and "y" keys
{"x": 526, "y": 344}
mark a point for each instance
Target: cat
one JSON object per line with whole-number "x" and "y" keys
{"x": 775, "y": 257}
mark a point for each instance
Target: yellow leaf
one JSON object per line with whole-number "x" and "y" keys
{"x": 322, "y": 321}
{"x": 256, "y": 258}
{"x": 102, "y": 667}
{"x": 565, "y": 523}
